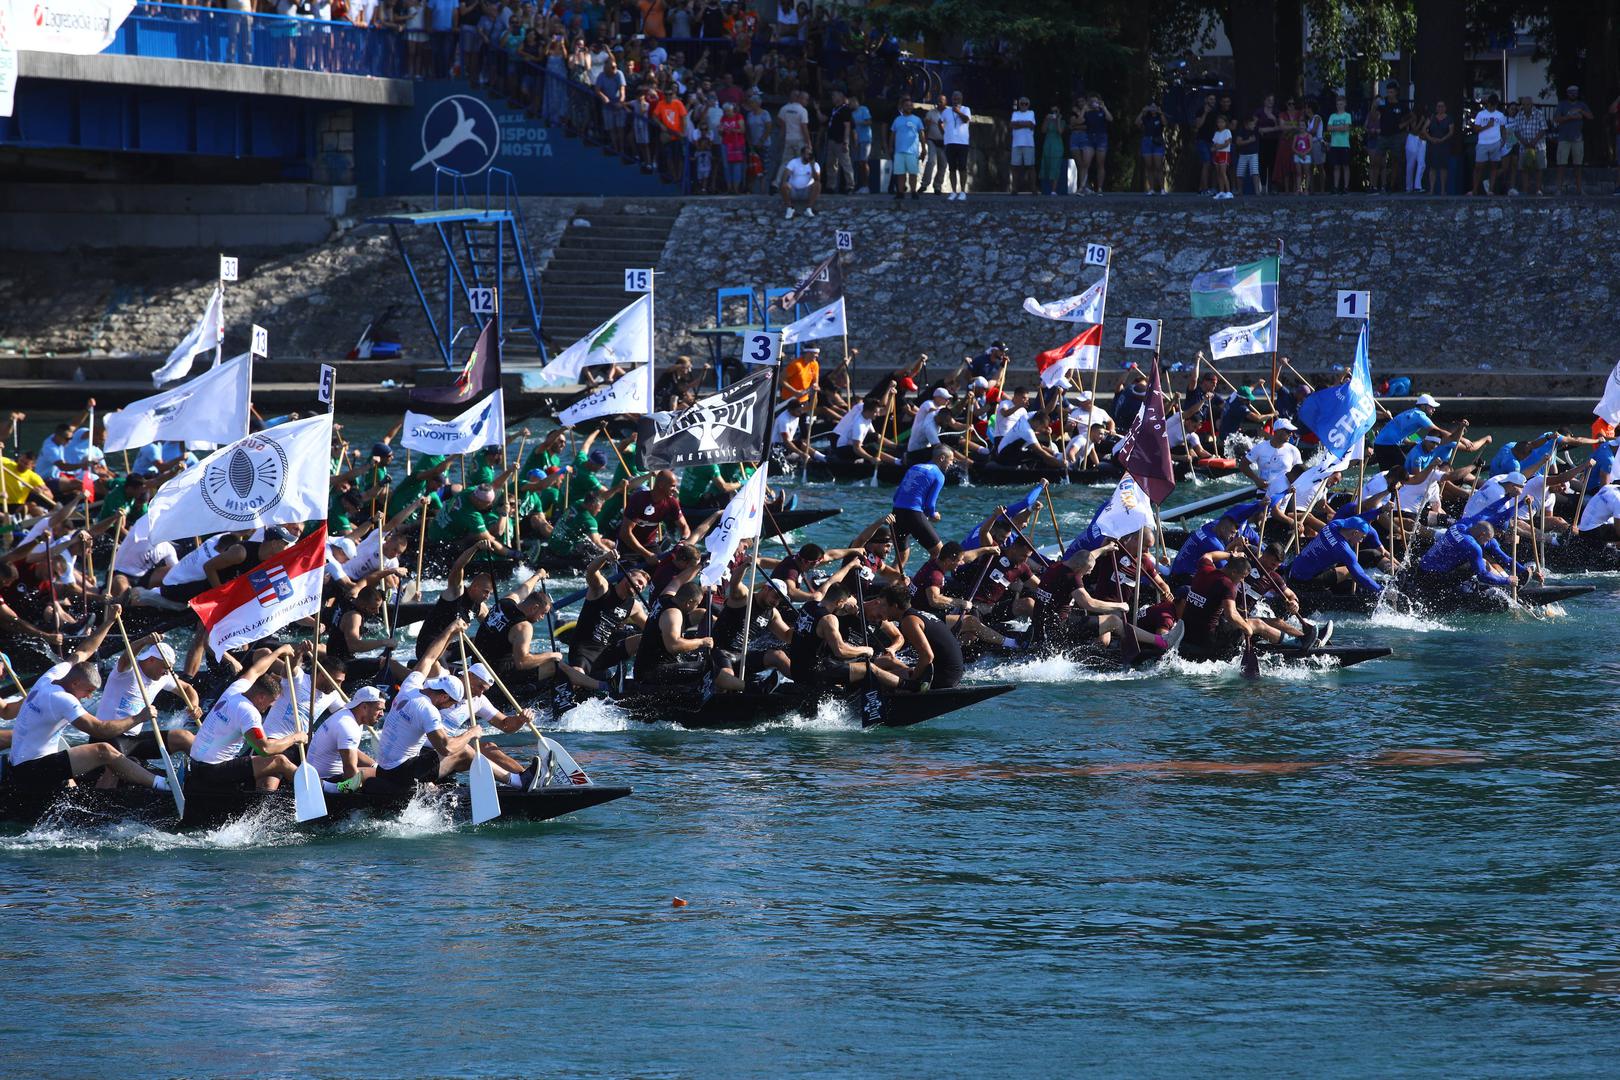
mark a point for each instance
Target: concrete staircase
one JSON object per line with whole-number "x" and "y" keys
{"x": 583, "y": 284}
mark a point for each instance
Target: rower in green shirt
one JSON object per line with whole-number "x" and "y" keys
{"x": 424, "y": 480}
{"x": 468, "y": 518}
{"x": 129, "y": 491}
{"x": 710, "y": 485}
{"x": 578, "y": 534}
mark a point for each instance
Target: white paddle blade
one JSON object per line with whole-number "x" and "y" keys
{"x": 309, "y": 802}
{"x": 486, "y": 801}
{"x": 175, "y": 789}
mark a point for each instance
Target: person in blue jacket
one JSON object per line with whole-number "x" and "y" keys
{"x": 1332, "y": 556}
{"x": 916, "y": 504}
{"x": 1458, "y": 555}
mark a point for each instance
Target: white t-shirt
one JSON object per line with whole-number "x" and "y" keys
{"x": 406, "y": 730}
{"x": 1273, "y": 463}
{"x": 455, "y": 717}
{"x": 121, "y": 698}
{"x": 802, "y": 173}
{"x": 956, "y": 128}
{"x": 193, "y": 567}
{"x": 340, "y": 732}
{"x": 1221, "y": 140}
{"x": 795, "y": 118}
{"x": 1601, "y": 508}
{"x": 1485, "y": 495}
{"x": 853, "y": 429}
{"x": 786, "y": 427}
{"x": 46, "y": 711}
{"x": 137, "y": 555}
{"x": 224, "y": 730}
{"x": 1023, "y": 136}
{"x": 368, "y": 559}
{"x": 924, "y": 427}
{"x": 1493, "y": 135}
{"x": 1015, "y": 428}
{"x": 280, "y": 720}
{"x": 1311, "y": 486}
{"x": 1077, "y": 447}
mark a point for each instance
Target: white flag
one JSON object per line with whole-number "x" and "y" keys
{"x": 1260, "y": 337}
{"x": 1087, "y": 307}
{"x": 1609, "y": 407}
{"x": 1128, "y": 512}
{"x": 632, "y": 393}
{"x": 482, "y": 425}
{"x": 624, "y": 339}
{"x": 822, "y": 323}
{"x": 207, "y": 334}
{"x": 271, "y": 478}
{"x": 211, "y": 408}
{"x": 739, "y": 522}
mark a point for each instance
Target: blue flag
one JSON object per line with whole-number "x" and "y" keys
{"x": 971, "y": 540}
{"x": 1342, "y": 415}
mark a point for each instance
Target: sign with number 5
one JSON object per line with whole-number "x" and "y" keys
{"x": 1142, "y": 334}
{"x": 1097, "y": 254}
{"x": 638, "y": 280}
{"x": 1353, "y": 305}
{"x": 761, "y": 348}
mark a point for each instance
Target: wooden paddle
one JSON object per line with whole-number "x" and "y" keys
{"x": 486, "y": 801}
{"x": 157, "y": 731}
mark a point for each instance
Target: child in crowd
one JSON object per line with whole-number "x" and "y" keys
{"x": 703, "y": 165}
{"x": 1303, "y": 143}
{"x": 1220, "y": 156}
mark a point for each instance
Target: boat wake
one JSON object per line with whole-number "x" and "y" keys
{"x": 1389, "y": 618}
{"x": 592, "y": 714}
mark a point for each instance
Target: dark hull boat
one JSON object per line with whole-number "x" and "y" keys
{"x": 1455, "y": 602}
{"x": 89, "y": 807}
{"x": 1343, "y": 656}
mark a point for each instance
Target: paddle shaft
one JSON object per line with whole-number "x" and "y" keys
{"x": 157, "y": 729}
{"x": 467, "y": 643}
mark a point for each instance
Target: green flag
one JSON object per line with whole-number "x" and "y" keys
{"x": 1237, "y": 290}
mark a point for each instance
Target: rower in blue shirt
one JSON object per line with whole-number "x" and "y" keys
{"x": 1602, "y": 460}
{"x": 1217, "y": 538}
{"x": 1458, "y": 555}
{"x": 1389, "y": 446}
{"x": 1331, "y": 556}
{"x": 1522, "y": 456}
{"x": 916, "y": 504}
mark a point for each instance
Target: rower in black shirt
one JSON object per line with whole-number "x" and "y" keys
{"x": 506, "y": 636}
{"x": 936, "y": 655}
{"x": 665, "y": 654}
{"x": 765, "y": 626}
{"x": 597, "y": 644}
{"x": 819, "y": 656}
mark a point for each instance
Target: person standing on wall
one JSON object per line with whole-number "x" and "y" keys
{"x": 1023, "y": 147}
{"x": 957, "y": 122}
{"x": 933, "y": 161}
{"x": 1570, "y": 116}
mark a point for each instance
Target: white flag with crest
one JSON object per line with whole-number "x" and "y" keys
{"x": 212, "y": 408}
{"x": 740, "y": 521}
{"x": 207, "y": 334}
{"x": 824, "y": 322}
{"x": 631, "y": 393}
{"x": 1260, "y": 337}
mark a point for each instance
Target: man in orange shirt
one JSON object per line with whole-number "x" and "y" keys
{"x": 671, "y": 116}
{"x": 802, "y": 372}
{"x": 652, "y": 18}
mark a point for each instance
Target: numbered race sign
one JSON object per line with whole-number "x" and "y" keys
{"x": 638, "y": 280}
{"x": 1098, "y": 254}
{"x": 481, "y": 300}
{"x": 260, "y": 342}
{"x": 1142, "y": 334}
{"x": 844, "y": 240}
{"x": 1353, "y": 305}
{"x": 227, "y": 268}
{"x": 328, "y": 383}
{"x": 762, "y": 348}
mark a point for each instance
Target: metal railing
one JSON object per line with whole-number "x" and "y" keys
{"x": 182, "y": 32}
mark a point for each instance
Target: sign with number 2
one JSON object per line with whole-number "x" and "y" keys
{"x": 1141, "y": 333}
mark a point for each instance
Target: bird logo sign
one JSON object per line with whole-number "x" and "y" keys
{"x": 459, "y": 133}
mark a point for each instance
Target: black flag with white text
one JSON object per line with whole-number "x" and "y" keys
{"x": 729, "y": 426}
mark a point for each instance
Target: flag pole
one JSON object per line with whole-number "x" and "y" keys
{"x": 1096, "y": 369}
{"x": 753, "y": 559}
{"x": 1276, "y": 333}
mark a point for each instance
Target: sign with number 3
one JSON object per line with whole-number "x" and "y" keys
{"x": 761, "y": 348}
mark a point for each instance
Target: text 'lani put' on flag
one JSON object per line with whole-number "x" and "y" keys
{"x": 1342, "y": 415}
{"x": 740, "y": 521}
{"x": 279, "y": 591}
{"x": 482, "y": 425}
{"x": 272, "y": 477}
{"x": 1250, "y": 340}
{"x": 630, "y": 393}
{"x": 1077, "y": 354}
{"x": 729, "y": 426}
{"x": 211, "y": 408}
{"x": 624, "y": 340}
{"x": 1237, "y": 290}
{"x": 479, "y": 375}
{"x": 1086, "y": 307}
{"x": 206, "y": 335}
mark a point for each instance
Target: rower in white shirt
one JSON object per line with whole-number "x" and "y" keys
{"x": 236, "y": 724}
{"x": 334, "y": 749}
{"x": 1600, "y": 517}
{"x": 122, "y": 699}
{"x": 925, "y": 429}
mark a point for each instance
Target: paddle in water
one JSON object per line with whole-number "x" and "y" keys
{"x": 309, "y": 801}
{"x": 486, "y": 801}
{"x": 157, "y": 729}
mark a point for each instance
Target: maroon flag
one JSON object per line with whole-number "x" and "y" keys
{"x": 1146, "y": 450}
{"x": 479, "y": 376}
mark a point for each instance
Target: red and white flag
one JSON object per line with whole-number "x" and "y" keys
{"x": 1080, "y": 354}
{"x": 273, "y": 594}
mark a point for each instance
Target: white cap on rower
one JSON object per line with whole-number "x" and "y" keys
{"x": 1430, "y": 400}
{"x": 1283, "y": 424}
{"x": 343, "y": 544}
{"x": 941, "y": 394}
{"x": 157, "y": 649}
{"x": 980, "y": 383}
{"x": 444, "y": 684}
{"x": 366, "y": 695}
{"x": 479, "y": 671}
{"x": 1514, "y": 478}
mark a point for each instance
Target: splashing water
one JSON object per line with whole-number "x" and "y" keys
{"x": 592, "y": 714}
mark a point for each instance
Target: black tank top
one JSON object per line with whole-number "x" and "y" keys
{"x": 728, "y": 627}
{"x": 947, "y": 650}
{"x": 601, "y": 618}
{"x": 652, "y": 653}
{"x": 336, "y": 643}
{"x": 446, "y": 611}
{"x": 806, "y": 647}
{"x": 493, "y": 639}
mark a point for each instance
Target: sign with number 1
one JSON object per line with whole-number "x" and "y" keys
{"x": 638, "y": 280}
{"x": 1353, "y": 305}
{"x": 1142, "y": 333}
{"x": 761, "y": 348}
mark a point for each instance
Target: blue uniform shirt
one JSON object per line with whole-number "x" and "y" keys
{"x": 1329, "y": 549}
{"x": 919, "y": 489}
{"x": 1403, "y": 427}
{"x": 1418, "y": 459}
{"x": 1455, "y": 548}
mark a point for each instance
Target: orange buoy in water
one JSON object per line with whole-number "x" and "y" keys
{"x": 677, "y": 902}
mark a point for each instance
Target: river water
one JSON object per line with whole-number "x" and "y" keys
{"x": 1405, "y": 868}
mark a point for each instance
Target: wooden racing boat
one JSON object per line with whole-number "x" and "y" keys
{"x": 89, "y": 807}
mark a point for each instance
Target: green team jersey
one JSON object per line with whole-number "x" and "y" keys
{"x": 369, "y": 479}
{"x": 482, "y": 470}
{"x": 459, "y": 518}
{"x": 576, "y": 525}
{"x": 115, "y": 498}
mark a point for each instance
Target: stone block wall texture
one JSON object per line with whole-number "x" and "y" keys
{"x": 1514, "y": 284}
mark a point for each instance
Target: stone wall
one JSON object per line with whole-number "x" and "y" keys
{"x": 1455, "y": 283}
